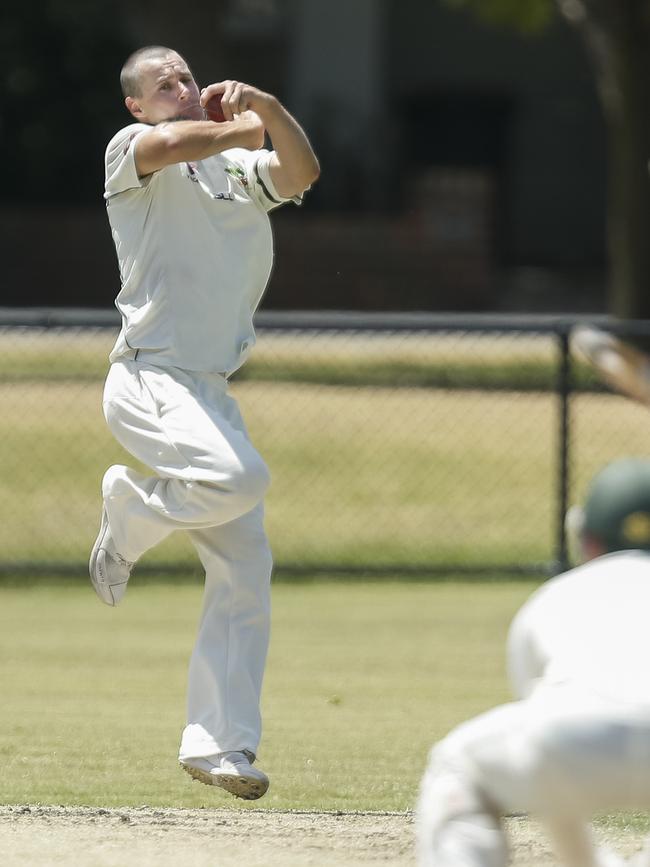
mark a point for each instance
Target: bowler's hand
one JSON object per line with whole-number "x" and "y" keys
{"x": 237, "y": 98}
{"x": 293, "y": 166}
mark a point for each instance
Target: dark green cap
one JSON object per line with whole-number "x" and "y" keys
{"x": 617, "y": 511}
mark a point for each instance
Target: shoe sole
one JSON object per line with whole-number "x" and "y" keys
{"x": 104, "y": 591}
{"x": 246, "y": 788}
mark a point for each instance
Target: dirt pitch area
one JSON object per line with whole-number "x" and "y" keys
{"x": 36, "y": 836}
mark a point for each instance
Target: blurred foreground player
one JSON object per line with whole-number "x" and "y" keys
{"x": 188, "y": 200}
{"x": 577, "y": 741}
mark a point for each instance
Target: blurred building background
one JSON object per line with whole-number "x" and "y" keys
{"x": 463, "y": 167}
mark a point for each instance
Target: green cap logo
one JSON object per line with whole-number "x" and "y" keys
{"x": 636, "y": 529}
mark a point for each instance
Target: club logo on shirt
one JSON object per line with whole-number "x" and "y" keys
{"x": 193, "y": 175}
{"x": 238, "y": 174}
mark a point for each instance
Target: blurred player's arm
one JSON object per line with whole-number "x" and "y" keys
{"x": 526, "y": 661}
{"x": 623, "y": 367}
{"x": 293, "y": 166}
{"x": 185, "y": 140}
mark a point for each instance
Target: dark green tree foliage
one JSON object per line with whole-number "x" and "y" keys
{"x": 526, "y": 15}
{"x": 59, "y": 96}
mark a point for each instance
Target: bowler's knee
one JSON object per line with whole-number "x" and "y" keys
{"x": 250, "y": 481}
{"x": 231, "y": 493}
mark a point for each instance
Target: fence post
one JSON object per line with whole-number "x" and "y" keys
{"x": 564, "y": 391}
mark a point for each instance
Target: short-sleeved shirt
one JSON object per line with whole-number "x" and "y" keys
{"x": 195, "y": 253}
{"x": 588, "y": 628}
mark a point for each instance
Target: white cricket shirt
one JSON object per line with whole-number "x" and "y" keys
{"x": 589, "y": 627}
{"x": 195, "y": 252}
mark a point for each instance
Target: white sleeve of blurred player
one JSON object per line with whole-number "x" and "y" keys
{"x": 539, "y": 633}
{"x": 589, "y": 627}
{"x": 526, "y": 659}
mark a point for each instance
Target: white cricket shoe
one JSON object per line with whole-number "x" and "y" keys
{"x": 622, "y": 366}
{"x": 109, "y": 571}
{"x": 231, "y": 771}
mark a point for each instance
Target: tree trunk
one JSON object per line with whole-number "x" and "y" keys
{"x": 617, "y": 33}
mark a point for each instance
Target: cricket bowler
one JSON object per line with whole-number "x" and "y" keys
{"x": 188, "y": 193}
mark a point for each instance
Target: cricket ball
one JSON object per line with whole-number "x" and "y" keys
{"x": 213, "y": 110}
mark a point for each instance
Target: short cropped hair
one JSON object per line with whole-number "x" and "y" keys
{"x": 130, "y": 74}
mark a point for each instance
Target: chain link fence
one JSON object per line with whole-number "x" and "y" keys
{"x": 397, "y": 444}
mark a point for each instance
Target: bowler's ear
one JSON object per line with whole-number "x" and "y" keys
{"x": 134, "y": 107}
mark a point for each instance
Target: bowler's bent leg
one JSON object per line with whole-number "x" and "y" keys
{"x": 190, "y": 432}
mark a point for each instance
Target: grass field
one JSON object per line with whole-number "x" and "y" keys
{"x": 361, "y": 680}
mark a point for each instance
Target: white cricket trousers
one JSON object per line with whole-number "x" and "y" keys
{"x": 209, "y": 481}
{"x": 561, "y": 755}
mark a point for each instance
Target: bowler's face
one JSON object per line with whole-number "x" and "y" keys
{"x": 167, "y": 91}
